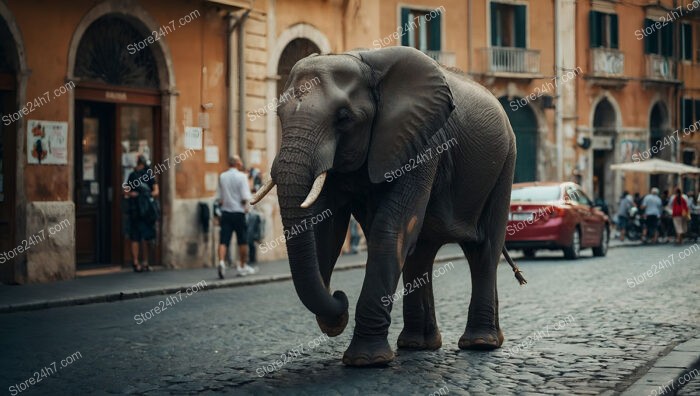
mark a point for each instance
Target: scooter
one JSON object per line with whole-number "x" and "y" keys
{"x": 633, "y": 232}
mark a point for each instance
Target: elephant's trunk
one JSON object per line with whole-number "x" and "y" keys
{"x": 293, "y": 185}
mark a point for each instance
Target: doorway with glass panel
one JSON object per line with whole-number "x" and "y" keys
{"x": 109, "y": 138}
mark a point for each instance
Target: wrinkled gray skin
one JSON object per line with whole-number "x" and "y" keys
{"x": 372, "y": 113}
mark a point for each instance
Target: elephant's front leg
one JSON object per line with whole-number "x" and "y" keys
{"x": 395, "y": 229}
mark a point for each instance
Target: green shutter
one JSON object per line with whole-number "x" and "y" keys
{"x": 594, "y": 28}
{"x": 494, "y": 26}
{"x": 687, "y": 33}
{"x": 404, "y": 21}
{"x": 686, "y": 112}
{"x": 613, "y": 32}
{"x": 667, "y": 40}
{"x": 520, "y": 26}
{"x": 434, "y": 30}
{"x": 648, "y": 43}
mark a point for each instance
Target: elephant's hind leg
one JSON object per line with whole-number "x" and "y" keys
{"x": 420, "y": 329}
{"x": 483, "y": 331}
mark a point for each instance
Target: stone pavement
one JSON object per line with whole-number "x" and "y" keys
{"x": 577, "y": 327}
{"x": 128, "y": 285}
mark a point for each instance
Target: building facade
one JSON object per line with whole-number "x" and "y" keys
{"x": 86, "y": 87}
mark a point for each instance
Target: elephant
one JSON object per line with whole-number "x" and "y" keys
{"x": 366, "y": 141}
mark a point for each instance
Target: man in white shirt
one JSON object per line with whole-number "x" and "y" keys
{"x": 652, "y": 207}
{"x": 233, "y": 195}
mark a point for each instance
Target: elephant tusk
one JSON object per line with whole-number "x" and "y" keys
{"x": 315, "y": 190}
{"x": 262, "y": 192}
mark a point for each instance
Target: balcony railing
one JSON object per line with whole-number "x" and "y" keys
{"x": 445, "y": 58}
{"x": 511, "y": 60}
{"x": 661, "y": 68}
{"x": 607, "y": 62}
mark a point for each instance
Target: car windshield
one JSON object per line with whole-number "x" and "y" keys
{"x": 536, "y": 194}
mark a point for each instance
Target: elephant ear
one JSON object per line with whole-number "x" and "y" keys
{"x": 413, "y": 103}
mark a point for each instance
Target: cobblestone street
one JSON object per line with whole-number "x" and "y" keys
{"x": 590, "y": 333}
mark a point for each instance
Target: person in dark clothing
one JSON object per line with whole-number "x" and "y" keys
{"x": 140, "y": 189}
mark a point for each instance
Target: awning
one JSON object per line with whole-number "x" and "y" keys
{"x": 655, "y": 166}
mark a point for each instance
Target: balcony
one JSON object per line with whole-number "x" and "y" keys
{"x": 607, "y": 63}
{"x": 442, "y": 57}
{"x": 511, "y": 62}
{"x": 607, "y": 67}
{"x": 661, "y": 68}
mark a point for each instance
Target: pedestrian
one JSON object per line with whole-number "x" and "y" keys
{"x": 232, "y": 196}
{"x": 140, "y": 192}
{"x": 680, "y": 211}
{"x": 256, "y": 232}
{"x": 623, "y": 213}
{"x": 652, "y": 207}
{"x": 694, "y": 226}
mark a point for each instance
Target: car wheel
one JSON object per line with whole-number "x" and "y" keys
{"x": 574, "y": 251}
{"x": 529, "y": 253}
{"x": 602, "y": 249}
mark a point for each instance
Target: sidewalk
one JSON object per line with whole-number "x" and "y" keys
{"x": 127, "y": 285}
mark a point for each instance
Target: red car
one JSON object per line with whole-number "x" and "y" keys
{"x": 555, "y": 216}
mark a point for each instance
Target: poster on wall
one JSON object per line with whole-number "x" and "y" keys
{"x": 193, "y": 138}
{"x": 629, "y": 147}
{"x": 47, "y": 142}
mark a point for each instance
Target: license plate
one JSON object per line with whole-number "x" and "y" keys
{"x": 521, "y": 216}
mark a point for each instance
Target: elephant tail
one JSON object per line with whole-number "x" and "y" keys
{"x": 518, "y": 274}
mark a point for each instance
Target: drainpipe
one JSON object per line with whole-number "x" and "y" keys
{"x": 558, "y": 124}
{"x": 241, "y": 88}
{"x": 236, "y": 25}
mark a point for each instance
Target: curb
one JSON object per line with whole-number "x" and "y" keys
{"x": 670, "y": 372}
{"x": 135, "y": 294}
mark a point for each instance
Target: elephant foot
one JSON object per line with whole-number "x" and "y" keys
{"x": 419, "y": 341}
{"x": 368, "y": 351}
{"x": 333, "y": 327}
{"x": 481, "y": 339}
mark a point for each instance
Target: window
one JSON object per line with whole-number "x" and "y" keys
{"x": 686, "y": 42}
{"x": 421, "y": 29}
{"x": 603, "y": 30}
{"x": 660, "y": 41}
{"x": 508, "y": 25}
{"x": 690, "y": 112}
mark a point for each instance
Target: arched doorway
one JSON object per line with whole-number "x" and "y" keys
{"x": 604, "y": 132}
{"x": 524, "y": 125}
{"x": 117, "y": 117}
{"x": 296, "y": 50}
{"x": 9, "y": 66}
{"x": 659, "y": 131}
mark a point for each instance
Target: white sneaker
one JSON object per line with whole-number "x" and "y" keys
{"x": 242, "y": 271}
{"x": 247, "y": 270}
{"x": 221, "y": 269}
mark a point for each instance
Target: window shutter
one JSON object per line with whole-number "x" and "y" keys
{"x": 594, "y": 28}
{"x": 648, "y": 42}
{"x": 687, "y": 33}
{"x": 494, "y": 26}
{"x": 667, "y": 40}
{"x": 434, "y": 30}
{"x": 404, "y": 21}
{"x": 613, "y": 32}
{"x": 697, "y": 114}
{"x": 686, "y": 112}
{"x": 520, "y": 26}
